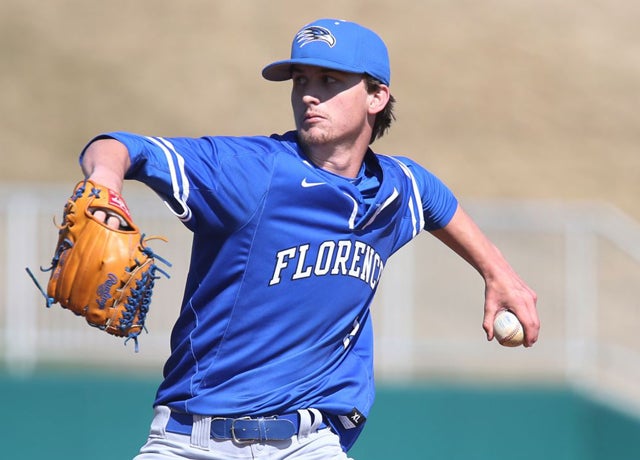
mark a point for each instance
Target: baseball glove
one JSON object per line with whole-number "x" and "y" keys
{"x": 103, "y": 274}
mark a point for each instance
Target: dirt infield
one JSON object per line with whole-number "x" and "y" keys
{"x": 527, "y": 99}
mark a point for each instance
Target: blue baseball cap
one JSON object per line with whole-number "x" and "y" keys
{"x": 337, "y": 45}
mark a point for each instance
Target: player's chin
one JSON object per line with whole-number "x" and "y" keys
{"x": 312, "y": 135}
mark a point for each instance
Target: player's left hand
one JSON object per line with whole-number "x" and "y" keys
{"x": 102, "y": 268}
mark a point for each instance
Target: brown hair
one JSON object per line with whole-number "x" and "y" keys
{"x": 384, "y": 118}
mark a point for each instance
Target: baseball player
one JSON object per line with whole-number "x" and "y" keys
{"x": 271, "y": 354}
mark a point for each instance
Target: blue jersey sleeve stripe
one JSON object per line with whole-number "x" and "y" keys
{"x": 180, "y": 187}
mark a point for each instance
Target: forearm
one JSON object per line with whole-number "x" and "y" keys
{"x": 106, "y": 162}
{"x": 466, "y": 239}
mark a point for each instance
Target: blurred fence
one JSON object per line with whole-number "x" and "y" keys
{"x": 583, "y": 259}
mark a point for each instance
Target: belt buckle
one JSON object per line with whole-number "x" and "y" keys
{"x": 233, "y": 432}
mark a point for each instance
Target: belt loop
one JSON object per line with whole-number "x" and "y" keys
{"x": 201, "y": 432}
{"x": 262, "y": 429}
{"x": 161, "y": 416}
{"x": 310, "y": 421}
{"x": 304, "y": 427}
{"x": 317, "y": 419}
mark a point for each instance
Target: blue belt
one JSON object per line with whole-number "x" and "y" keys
{"x": 242, "y": 429}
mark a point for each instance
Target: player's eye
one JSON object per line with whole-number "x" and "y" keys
{"x": 299, "y": 80}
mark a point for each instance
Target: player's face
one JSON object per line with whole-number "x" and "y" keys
{"x": 329, "y": 107}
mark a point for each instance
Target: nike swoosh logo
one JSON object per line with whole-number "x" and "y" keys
{"x": 307, "y": 184}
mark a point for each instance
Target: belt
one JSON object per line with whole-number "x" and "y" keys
{"x": 242, "y": 429}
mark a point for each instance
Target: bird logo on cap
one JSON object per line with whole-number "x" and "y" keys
{"x": 315, "y": 34}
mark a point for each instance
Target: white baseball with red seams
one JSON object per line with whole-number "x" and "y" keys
{"x": 507, "y": 329}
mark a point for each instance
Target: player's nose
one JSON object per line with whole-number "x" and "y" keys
{"x": 309, "y": 98}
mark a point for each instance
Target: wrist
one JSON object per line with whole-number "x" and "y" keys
{"x": 107, "y": 179}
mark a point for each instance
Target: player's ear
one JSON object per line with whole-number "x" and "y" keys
{"x": 378, "y": 99}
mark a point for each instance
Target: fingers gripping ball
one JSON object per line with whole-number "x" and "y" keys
{"x": 104, "y": 274}
{"x": 508, "y": 330}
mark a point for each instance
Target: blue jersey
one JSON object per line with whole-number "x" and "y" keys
{"x": 285, "y": 261}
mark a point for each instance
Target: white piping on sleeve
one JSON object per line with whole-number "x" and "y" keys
{"x": 180, "y": 194}
{"x": 415, "y": 204}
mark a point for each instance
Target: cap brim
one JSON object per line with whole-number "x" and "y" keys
{"x": 281, "y": 70}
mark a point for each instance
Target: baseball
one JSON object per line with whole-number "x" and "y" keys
{"x": 507, "y": 329}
